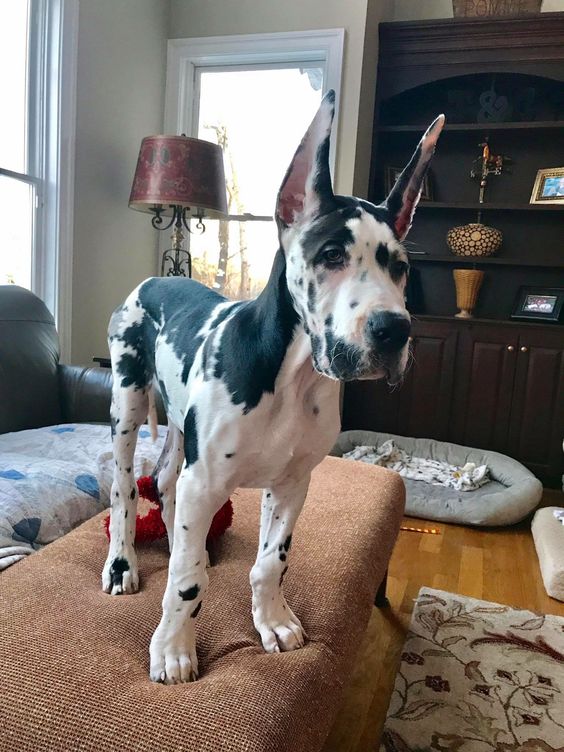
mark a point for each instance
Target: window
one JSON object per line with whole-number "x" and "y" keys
{"x": 17, "y": 182}
{"x": 38, "y": 62}
{"x": 255, "y": 97}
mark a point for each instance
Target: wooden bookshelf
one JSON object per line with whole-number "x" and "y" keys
{"x": 449, "y": 66}
{"x": 488, "y": 382}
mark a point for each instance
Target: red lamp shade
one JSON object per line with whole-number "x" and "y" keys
{"x": 179, "y": 171}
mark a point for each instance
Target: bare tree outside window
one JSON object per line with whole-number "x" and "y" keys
{"x": 246, "y": 113}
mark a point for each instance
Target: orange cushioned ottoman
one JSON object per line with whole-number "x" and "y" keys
{"x": 74, "y": 661}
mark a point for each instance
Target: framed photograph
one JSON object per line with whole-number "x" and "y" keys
{"x": 539, "y": 303}
{"x": 391, "y": 174}
{"x": 549, "y": 186}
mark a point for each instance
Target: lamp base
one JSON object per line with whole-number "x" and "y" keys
{"x": 179, "y": 263}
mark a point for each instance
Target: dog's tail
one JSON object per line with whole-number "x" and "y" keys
{"x": 152, "y": 415}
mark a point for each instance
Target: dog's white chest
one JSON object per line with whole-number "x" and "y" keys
{"x": 289, "y": 435}
{"x": 285, "y": 436}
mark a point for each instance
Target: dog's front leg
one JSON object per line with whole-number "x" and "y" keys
{"x": 277, "y": 625}
{"x": 173, "y": 645}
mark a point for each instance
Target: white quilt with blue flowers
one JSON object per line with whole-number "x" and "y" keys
{"x": 54, "y": 478}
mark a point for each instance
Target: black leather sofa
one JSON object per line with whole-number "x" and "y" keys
{"x": 35, "y": 389}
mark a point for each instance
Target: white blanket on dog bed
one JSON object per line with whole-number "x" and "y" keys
{"x": 54, "y": 478}
{"x": 466, "y": 478}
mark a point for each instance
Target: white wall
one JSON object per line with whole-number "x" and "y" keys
{"x": 120, "y": 97}
{"x": 412, "y": 10}
{"x": 195, "y": 18}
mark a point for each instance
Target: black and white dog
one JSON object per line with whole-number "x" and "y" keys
{"x": 251, "y": 389}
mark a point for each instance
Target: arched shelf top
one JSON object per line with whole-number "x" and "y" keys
{"x": 414, "y": 53}
{"x": 494, "y": 99}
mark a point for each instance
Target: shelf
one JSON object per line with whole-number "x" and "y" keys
{"x": 490, "y": 206}
{"x": 481, "y": 260}
{"x": 473, "y": 321}
{"x": 534, "y": 124}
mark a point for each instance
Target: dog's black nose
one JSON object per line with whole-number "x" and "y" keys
{"x": 388, "y": 331}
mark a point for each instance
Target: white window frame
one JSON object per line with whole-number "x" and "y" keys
{"x": 186, "y": 56}
{"x": 52, "y": 63}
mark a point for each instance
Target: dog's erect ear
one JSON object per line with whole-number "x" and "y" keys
{"x": 404, "y": 196}
{"x": 306, "y": 189}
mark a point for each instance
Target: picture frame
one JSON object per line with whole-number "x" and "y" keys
{"x": 391, "y": 174}
{"x": 539, "y": 304}
{"x": 549, "y": 186}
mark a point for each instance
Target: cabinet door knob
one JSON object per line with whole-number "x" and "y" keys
{"x": 510, "y": 348}
{"x": 524, "y": 349}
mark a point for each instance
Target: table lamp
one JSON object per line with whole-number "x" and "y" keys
{"x": 179, "y": 177}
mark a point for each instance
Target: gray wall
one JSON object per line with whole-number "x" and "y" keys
{"x": 120, "y": 98}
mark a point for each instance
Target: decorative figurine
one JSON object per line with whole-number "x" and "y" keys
{"x": 487, "y": 164}
{"x": 476, "y": 239}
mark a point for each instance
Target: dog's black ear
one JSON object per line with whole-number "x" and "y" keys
{"x": 306, "y": 190}
{"x": 404, "y": 196}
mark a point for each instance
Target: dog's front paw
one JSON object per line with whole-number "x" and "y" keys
{"x": 279, "y": 628}
{"x": 120, "y": 574}
{"x": 173, "y": 657}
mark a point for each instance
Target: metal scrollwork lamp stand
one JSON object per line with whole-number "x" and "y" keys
{"x": 180, "y": 178}
{"x": 177, "y": 257}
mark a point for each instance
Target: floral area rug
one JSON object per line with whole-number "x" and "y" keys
{"x": 477, "y": 677}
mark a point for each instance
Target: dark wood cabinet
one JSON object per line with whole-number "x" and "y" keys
{"x": 536, "y": 429}
{"x": 421, "y": 406}
{"x": 485, "y": 374}
{"x": 428, "y": 396}
{"x": 483, "y": 384}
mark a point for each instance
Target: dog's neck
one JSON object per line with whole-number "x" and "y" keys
{"x": 275, "y": 312}
{"x": 281, "y": 328}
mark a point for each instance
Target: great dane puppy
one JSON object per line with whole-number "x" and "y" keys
{"x": 251, "y": 388}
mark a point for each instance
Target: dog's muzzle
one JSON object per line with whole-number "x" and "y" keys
{"x": 387, "y": 335}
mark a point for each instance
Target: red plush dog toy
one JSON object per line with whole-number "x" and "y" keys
{"x": 151, "y": 526}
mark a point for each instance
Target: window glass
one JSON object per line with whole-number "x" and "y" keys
{"x": 13, "y": 67}
{"x": 258, "y": 117}
{"x": 16, "y": 232}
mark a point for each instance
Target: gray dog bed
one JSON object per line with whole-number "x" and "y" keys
{"x": 512, "y": 493}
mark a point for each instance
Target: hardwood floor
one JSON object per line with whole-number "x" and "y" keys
{"x": 497, "y": 565}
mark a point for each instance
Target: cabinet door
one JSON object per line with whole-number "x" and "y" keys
{"x": 484, "y": 385}
{"x": 370, "y": 406}
{"x": 426, "y": 400}
{"x": 421, "y": 405}
{"x": 537, "y": 416}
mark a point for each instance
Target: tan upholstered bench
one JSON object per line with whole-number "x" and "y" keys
{"x": 74, "y": 661}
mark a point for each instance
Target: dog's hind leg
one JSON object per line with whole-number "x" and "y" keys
{"x": 166, "y": 475}
{"x": 130, "y": 405}
{"x": 278, "y": 626}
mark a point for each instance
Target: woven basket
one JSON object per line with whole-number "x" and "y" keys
{"x": 484, "y": 8}
{"x": 468, "y": 283}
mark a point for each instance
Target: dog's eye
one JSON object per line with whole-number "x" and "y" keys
{"x": 399, "y": 268}
{"x": 334, "y": 255}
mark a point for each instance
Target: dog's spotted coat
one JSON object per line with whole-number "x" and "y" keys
{"x": 251, "y": 389}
